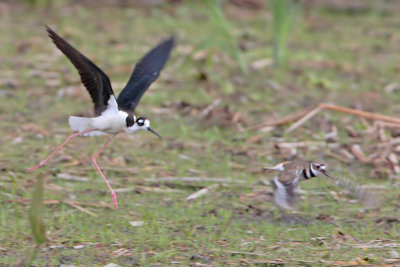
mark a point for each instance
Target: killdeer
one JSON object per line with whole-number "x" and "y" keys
{"x": 112, "y": 115}
{"x": 289, "y": 176}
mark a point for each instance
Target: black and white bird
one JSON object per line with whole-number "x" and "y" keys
{"x": 290, "y": 174}
{"x": 112, "y": 115}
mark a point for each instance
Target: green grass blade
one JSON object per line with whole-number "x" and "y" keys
{"x": 284, "y": 13}
{"x": 36, "y": 213}
{"x": 219, "y": 18}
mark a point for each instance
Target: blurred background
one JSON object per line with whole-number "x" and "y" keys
{"x": 241, "y": 73}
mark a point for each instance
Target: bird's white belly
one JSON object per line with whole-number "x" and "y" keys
{"x": 110, "y": 123}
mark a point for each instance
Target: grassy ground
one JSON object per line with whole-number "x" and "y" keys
{"x": 336, "y": 55}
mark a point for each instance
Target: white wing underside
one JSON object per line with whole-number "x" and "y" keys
{"x": 112, "y": 106}
{"x": 281, "y": 196}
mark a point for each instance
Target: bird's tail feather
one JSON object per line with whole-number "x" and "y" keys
{"x": 277, "y": 167}
{"x": 80, "y": 124}
{"x": 268, "y": 169}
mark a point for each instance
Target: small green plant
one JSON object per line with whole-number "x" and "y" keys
{"x": 36, "y": 218}
{"x": 38, "y": 3}
{"x": 284, "y": 13}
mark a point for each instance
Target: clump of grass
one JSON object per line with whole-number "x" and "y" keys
{"x": 38, "y": 3}
{"x": 216, "y": 14}
{"x": 284, "y": 13}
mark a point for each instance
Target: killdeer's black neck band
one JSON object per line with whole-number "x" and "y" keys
{"x": 305, "y": 174}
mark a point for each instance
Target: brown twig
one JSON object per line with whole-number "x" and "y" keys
{"x": 194, "y": 179}
{"x": 304, "y": 119}
{"x": 72, "y": 204}
{"x": 147, "y": 189}
{"x": 282, "y": 121}
{"x": 301, "y": 117}
{"x": 201, "y": 192}
{"x": 361, "y": 113}
{"x": 55, "y": 201}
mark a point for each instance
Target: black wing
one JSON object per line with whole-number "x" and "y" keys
{"x": 145, "y": 73}
{"x": 94, "y": 79}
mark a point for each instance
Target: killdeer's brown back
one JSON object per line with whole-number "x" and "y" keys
{"x": 291, "y": 171}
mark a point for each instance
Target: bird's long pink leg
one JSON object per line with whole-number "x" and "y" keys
{"x": 114, "y": 196}
{"x": 57, "y": 149}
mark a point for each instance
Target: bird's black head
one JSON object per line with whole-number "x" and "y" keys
{"x": 141, "y": 121}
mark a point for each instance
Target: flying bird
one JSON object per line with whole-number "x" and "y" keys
{"x": 113, "y": 115}
{"x": 290, "y": 174}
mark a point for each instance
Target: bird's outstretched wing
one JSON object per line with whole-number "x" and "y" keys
{"x": 284, "y": 195}
{"x": 94, "y": 79}
{"x": 145, "y": 73}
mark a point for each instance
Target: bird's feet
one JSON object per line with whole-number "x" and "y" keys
{"x": 114, "y": 198}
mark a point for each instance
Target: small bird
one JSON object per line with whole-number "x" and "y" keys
{"x": 112, "y": 115}
{"x": 289, "y": 176}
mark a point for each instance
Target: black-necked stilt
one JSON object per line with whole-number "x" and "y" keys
{"x": 113, "y": 115}
{"x": 290, "y": 174}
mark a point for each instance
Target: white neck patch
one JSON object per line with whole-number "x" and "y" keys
{"x": 316, "y": 172}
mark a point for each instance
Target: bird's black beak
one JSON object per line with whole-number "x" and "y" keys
{"x": 325, "y": 172}
{"x": 154, "y": 132}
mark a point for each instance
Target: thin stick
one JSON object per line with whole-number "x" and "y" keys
{"x": 338, "y": 157}
{"x": 392, "y": 142}
{"x": 305, "y": 115}
{"x": 361, "y": 113}
{"x": 285, "y": 120}
{"x": 201, "y": 192}
{"x": 301, "y": 144}
{"x": 80, "y": 208}
{"x": 55, "y": 201}
{"x": 194, "y": 179}
{"x": 147, "y": 189}
{"x": 303, "y": 120}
